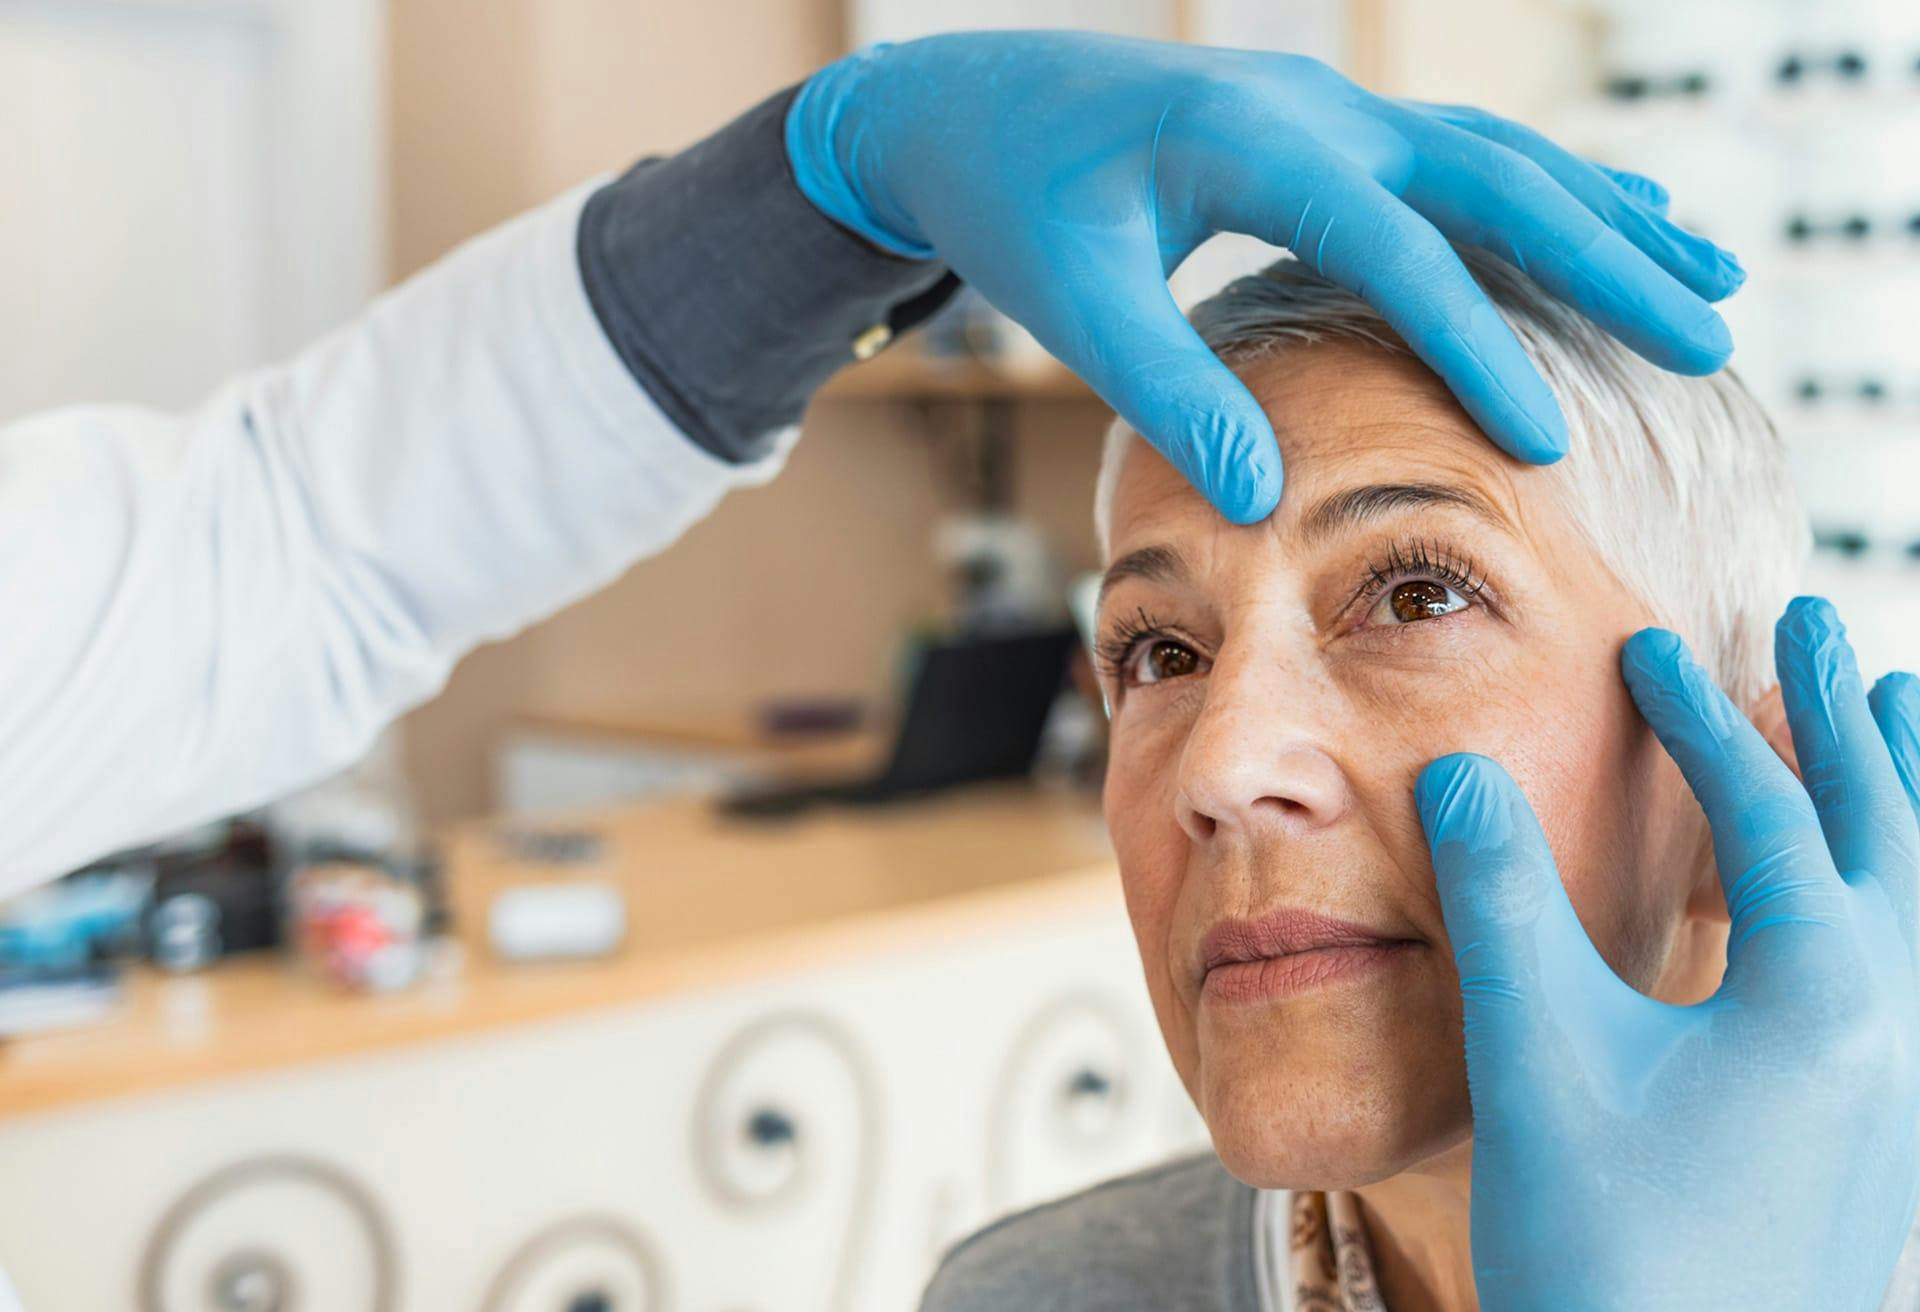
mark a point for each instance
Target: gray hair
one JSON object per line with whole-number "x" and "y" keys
{"x": 1680, "y": 485}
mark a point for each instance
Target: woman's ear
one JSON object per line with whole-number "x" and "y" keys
{"x": 1769, "y": 716}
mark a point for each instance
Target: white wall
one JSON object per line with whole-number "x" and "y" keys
{"x": 191, "y": 187}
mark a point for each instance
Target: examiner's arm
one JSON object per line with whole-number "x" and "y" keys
{"x": 204, "y": 611}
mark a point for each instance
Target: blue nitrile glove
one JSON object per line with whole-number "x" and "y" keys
{"x": 1066, "y": 174}
{"x": 1757, "y": 1150}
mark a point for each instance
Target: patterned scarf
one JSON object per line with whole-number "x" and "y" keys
{"x": 1329, "y": 1261}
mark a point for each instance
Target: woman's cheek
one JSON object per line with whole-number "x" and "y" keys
{"x": 1447, "y": 671}
{"x": 1142, "y": 781}
{"x": 1145, "y": 739}
{"x": 1579, "y": 755}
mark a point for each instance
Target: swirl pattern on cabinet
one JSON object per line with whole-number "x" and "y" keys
{"x": 271, "y": 1234}
{"x": 581, "y": 1262}
{"x": 1062, "y": 1098}
{"x": 787, "y": 1120}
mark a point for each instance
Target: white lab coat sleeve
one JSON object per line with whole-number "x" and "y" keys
{"x": 201, "y": 612}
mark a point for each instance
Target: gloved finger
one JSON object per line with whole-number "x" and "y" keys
{"x": 1485, "y": 195}
{"x": 1781, "y": 887}
{"x": 1358, "y": 234}
{"x": 1895, "y": 705}
{"x": 1844, "y": 761}
{"x": 1532, "y": 986}
{"x": 1132, "y": 345}
{"x": 1698, "y": 264}
{"x": 1641, "y": 187}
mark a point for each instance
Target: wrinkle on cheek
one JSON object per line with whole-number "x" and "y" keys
{"x": 1452, "y": 669}
{"x": 1579, "y": 755}
{"x": 1151, "y": 847}
{"x": 1397, "y": 822}
{"x": 1476, "y": 696}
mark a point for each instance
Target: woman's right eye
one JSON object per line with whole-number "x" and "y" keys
{"x": 1161, "y": 658}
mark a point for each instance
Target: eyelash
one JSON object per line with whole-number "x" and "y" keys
{"x": 1117, "y": 646}
{"x": 1404, "y": 562}
{"x": 1415, "y": 560}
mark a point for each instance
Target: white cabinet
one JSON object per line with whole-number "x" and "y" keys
{"x": 807, "y": 1142}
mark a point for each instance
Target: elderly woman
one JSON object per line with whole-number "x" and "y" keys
{"x": 1275, "y": 690}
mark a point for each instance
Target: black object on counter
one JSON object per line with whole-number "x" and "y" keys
{"x": 976, "y": 711}
{"x": 211, "y": 904}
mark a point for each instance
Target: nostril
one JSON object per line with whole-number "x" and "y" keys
{"x": 1198, "y": 824}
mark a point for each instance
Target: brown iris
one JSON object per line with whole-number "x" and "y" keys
{"x": 1169, "y": 660}
{"x": 1419, "y": 599}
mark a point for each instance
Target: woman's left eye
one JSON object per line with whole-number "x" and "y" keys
{"x": 1416, "y": 599}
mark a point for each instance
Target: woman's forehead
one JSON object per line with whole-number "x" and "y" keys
{"x": 1348, "y": 417}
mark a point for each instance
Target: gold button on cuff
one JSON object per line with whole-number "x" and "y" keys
{"x": 871, "y": 342}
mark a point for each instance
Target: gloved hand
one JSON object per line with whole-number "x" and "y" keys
{"x": 1757, "y": 1150}
{"x": 1065, "y": 175}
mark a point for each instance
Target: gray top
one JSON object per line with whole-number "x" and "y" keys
{"x": 728, "y": 295}
{"x": 1177, "y": 1238}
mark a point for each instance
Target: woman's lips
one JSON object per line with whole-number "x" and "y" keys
{"x": 1296, "y": 972}
{"x": 1288, "y": 951}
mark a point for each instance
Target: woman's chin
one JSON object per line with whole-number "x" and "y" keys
{"x": 1301, "y": 1166}
{"x": 1272, "y": 1134}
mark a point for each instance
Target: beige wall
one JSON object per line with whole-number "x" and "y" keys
{"x": 1514, "y": 57}
{"x": 799, "y": 586}
{"x": 498, "y": 104}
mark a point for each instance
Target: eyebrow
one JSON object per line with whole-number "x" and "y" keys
{"x": 1348, "y": 508}
{"x": 1158, "y": 564}
{"x": 1359, "y": 505}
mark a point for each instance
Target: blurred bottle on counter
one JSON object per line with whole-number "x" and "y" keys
{"x": 359, "y": 882}
{"x": 357, "y": 925}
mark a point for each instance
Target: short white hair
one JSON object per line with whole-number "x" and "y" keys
{"x": 1680, "y": 485}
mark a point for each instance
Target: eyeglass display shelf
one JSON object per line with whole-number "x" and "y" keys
{"x": 1801, "y": 108}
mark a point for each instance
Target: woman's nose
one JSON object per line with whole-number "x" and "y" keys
{"x": 1252, "y": 764}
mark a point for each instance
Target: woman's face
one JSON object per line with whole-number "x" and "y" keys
{"x": 1276, "y": 688}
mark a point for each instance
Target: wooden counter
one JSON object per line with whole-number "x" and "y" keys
{"x": 711, "y": 901}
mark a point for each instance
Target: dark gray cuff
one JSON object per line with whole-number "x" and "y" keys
{"x": 729, "y": 296}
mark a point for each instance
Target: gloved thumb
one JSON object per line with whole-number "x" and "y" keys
{"x": 1532, "y": 987}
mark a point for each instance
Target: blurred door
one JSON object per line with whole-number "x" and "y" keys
{"x": 187, "y": 188}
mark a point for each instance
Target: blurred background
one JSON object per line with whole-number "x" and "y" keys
{"x": 725, "y": 947}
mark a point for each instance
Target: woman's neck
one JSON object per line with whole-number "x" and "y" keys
{"x": 1418, "y": 1227}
